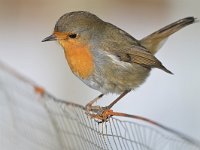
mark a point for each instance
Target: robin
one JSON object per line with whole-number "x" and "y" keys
{"x": 105, "y": 57}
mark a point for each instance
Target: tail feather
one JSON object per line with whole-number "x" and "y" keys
{"x": 154, "y": 41}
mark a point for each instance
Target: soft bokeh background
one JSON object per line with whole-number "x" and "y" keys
{"x": 170, "y": 99}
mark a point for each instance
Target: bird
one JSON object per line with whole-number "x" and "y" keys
{"x": 107, "y": 58}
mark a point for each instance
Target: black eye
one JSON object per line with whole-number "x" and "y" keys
{"x": 73, "y": 36}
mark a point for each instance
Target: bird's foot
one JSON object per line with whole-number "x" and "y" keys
{"x": 100, "y": 114}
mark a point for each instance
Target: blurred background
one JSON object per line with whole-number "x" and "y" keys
{"x": 170, "y": 99}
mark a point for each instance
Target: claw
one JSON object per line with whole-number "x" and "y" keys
{"x": 100, "y": 114}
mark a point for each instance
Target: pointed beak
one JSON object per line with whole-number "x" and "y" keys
{"x": 50, "y": 38}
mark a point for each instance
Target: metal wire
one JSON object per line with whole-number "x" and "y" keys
{"x": 31, "y": 120}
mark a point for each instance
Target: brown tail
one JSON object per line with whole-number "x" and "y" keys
{"x": 154, "y": 41}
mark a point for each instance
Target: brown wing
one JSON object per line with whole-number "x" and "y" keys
{"x": 141, "y": 56}
{"x": 127, "y": 48}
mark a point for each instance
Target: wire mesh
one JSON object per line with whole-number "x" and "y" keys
{"x": 29, "y": 120}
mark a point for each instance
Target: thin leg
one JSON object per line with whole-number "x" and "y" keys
{"x": 102, "y": 113}
{"x": 89, "y": 106}
{"x": 115, "y": 101}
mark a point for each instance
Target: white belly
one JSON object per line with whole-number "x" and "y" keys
{"x": 114, "y": 76}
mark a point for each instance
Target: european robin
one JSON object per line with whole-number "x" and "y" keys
{"x": 105, "y": 57}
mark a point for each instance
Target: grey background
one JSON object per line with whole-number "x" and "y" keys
{"x": 170, "y": 99}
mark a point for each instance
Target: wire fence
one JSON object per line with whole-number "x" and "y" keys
{"x": 33, "y": 119}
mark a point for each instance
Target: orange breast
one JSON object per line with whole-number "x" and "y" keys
{"x": 79, "y": 58}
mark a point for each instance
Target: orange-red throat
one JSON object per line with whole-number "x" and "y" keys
{"x": 78, "y": 55}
